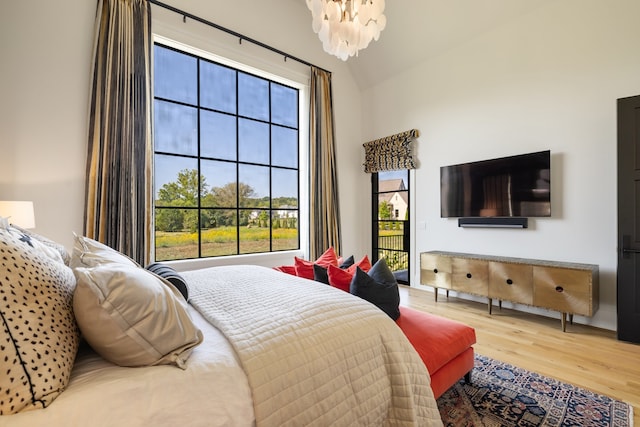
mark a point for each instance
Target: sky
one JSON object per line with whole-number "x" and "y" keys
{"x": 262, "y": 117}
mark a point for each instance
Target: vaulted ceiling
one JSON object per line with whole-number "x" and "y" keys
{"x": 420, "y": 29}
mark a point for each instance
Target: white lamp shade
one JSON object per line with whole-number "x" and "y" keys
{"x": 19, "y": 213}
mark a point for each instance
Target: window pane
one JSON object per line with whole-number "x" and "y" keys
{"x": 174, "y": 180}
{"x": 219, "y": 233}
{"x": 254, "y": 186}
{"x": 220, "y": 178}
{"x": 253, "y": 97}
{"x": 254, "y": 235}
{"x": 393, "y": 180}
{"x": 284, "y": 188}
{"x": 175, "y": 75}
{"x": 253, "y": 141}
{"x": 284, "y": 147}
{"x": 284, "y": 105}
{"x": 217, "y": 87}
{"x": 176, "y": 128}
{"x": 173, "y": 240}
{"x": 285, "y": 230}
{"x": 393, "y": 206}
{"x": 398, "y": 204}
{"x": 217, "y": 135}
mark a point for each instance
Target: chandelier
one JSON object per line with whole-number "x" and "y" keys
{"x": 346, "y": 26}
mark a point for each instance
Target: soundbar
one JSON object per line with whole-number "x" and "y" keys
{"x": 494, "y": 222}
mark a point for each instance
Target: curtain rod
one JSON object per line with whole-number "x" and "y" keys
{"x": 234, "y": 33}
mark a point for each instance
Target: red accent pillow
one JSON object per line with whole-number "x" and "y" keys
{"x": 364, "y": 264}
{"x": 339, "y": 278}
{"x": 304, "y": 268}
{"x": 328, "y": 258}
{"x": 289, "y": 269}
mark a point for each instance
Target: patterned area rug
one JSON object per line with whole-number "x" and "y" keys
{"x": 503, "y": 395}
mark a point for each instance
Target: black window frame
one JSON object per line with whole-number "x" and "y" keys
{"x": 403, "y": 277}
{"x": 238, "y": 163}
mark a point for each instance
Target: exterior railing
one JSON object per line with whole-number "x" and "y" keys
{"x": 391, "y": 248}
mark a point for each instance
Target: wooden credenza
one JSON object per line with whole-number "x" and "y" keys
{"x": 569, "y": 288}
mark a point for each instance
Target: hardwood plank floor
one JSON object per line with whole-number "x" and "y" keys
{"x": 585, "y": 356}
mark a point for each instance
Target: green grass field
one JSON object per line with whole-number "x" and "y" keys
{"x": 222, "y": 241}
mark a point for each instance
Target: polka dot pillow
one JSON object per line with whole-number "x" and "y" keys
{"x": 38, "y": 333}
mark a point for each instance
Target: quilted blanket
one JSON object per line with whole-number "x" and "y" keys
{"x": 314, "y": 355}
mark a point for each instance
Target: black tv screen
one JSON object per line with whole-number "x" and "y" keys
{"x": 515, "y": 186}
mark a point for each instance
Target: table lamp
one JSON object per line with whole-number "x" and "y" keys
{"x": 19, "y": 213}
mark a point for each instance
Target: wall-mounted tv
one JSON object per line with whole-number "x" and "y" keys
{"x": 515, "y": 186}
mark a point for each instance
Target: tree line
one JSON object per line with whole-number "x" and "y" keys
{"x": 184, "y": 193}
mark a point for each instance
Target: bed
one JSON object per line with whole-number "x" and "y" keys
{"x": 264, "y": 349}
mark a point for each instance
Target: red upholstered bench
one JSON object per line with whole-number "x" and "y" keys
{"x": 444, "y": 345}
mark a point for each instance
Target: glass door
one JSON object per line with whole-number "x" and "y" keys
{"x": 390, "y": 221}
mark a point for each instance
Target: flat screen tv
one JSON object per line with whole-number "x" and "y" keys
{"x": 515, "y": 186}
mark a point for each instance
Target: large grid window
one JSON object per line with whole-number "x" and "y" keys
{"x": 226, "y": 159}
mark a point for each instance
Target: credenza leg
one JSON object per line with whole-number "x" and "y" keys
{"x": 571, "y": 318}
{"x": 563, "y": 322}
{"x": 435, "y": 294}
{"x": 490, "y": 305}
{"x": 447, "y": 293}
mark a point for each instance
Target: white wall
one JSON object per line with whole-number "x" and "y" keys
{"x": 46, "y": 50}
{"x": 549, "y": 80}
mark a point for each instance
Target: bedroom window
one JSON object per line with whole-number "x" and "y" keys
{"x": 226, "y": 159}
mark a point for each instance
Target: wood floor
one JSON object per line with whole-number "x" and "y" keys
{"x": 584, "y": 356}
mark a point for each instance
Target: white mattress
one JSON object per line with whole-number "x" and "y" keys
{"x": 212, "y": 391}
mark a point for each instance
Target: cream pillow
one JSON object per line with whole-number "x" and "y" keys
{"x": 90, "y": 253}
{"x": 132, "y": 317}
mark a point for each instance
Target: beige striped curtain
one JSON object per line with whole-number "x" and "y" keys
{"x": 324, "y": 209}
{"x": 119, "y": 188}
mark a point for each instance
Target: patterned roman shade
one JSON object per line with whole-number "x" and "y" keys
{"x": 390, "y": 153}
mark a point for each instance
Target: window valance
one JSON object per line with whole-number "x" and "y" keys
{"x": 390, "y": 153}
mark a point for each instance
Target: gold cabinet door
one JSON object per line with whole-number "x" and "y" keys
{"x": 563, "y": 289}
{"x": 511, "y": 282}
{"x": 435, "y": 270}
{"x": 470, "y": 276}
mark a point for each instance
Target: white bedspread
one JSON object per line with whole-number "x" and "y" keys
{"x": 211, "y": 392}
{"x": 314, "y": 355}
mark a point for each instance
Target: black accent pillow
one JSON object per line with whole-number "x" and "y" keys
{"x": 320, "y": 274}
{"x": 171, "y": 275}
{"x": 379, "y": 286}
{"x": 347, "y": 262}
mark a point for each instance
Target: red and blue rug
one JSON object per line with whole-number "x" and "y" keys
{"x": 502, "y": 395}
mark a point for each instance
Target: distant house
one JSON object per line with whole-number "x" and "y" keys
{"x": 286, "y": 212}
{"x": 394, "y": 192}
